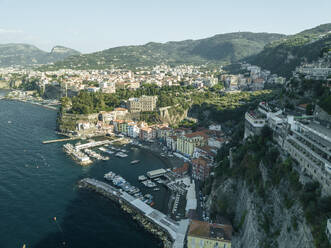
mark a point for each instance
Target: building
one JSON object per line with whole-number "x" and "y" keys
{"x": 207, "y": 235}
{"x": 206, "y": 152}
{"x": 181, "y": 171}
{"x": 107, "y": 117}
{"x": 186, "y": 143}
{"x": 146, "y": 134}
{"x": 133, "y": 130}
{"x": 309, "y": 143}
{"x": 93, "y": 89}
{"x": 215, "y": 127}
{"x": 255, "y": 120}
{"x": 107, "y": 87}
{"x": 200, "y": 168}
{"x": 156, "y": 173}
{"x": 142, "y": 104}
{"x": 216, "y": 142}
{"x": 171, "y": 142}
{"x": 328, "y": 229}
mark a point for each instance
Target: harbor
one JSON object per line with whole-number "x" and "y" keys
{"x": 83, "y": 153}
{"x": 172, "y": 233}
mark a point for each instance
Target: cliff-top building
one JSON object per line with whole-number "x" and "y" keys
{"x": 142, "y": 104}
{"x": 309, "y": 143}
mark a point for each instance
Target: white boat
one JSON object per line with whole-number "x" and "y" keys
{"x": 142, "y": 178}
{"x": 135, "y": 162}
{"x": 121, "y": 155}
{"x": 106, "y": 150}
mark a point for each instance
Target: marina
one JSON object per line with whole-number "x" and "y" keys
{"x": 77, "y": 155}
{"x": 172, "y": 233}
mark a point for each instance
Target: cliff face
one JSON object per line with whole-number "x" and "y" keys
{"x": 257, "y": 189}
{"x": 262, "y": 222}
{"x": 172, "y": 115}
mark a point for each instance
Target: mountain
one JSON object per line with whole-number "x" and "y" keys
{"x": 25, "y": 54}
{"x": 282, "y": 56}
{"x": 222, "y": 48}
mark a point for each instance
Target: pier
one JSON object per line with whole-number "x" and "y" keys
{"x": 172, "y": 233}
{"x": 59, "y": 140}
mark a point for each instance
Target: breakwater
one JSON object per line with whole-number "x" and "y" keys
{"x": 170, "y": 232}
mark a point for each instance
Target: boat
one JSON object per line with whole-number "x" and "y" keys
{"x": 156, "y": 189}
{"x": 149, "y": 184}
{"x": 135, "y": 161}
{"x": 110, "y": 175}
{"x": 121, "y": 155}
{"x": 142, "y": 178}
{"x": 106, "y": 150}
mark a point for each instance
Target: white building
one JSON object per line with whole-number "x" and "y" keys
{"x": 309, "y": 143}
{"x": 133, "y": 130}
{"x": 107, "y": 87}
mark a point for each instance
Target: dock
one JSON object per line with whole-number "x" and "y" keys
{"x": 59, "y": 140}
{"x": 171, "y": 232}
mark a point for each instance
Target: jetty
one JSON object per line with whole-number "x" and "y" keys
{"x": 59, "y": 140}
{"x": 172, "y": 233}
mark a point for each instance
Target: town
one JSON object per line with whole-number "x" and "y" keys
{"x": 300, "y": 133}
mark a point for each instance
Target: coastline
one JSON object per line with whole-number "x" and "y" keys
{"x": 33, "y": 103}
{"x": 168, "y": 162}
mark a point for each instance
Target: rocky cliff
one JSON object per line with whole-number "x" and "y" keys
{"x": 266, "y": 198}
{"x": 263, "y": 223}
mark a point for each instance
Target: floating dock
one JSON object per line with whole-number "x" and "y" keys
{"x": 172, "y": 233}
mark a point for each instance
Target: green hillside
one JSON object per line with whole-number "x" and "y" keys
{"x": 24, "y": 55}
{"x": 222, "y": 48}
{"x": 284, "y": 55}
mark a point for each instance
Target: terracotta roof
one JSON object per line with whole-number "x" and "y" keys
{"x": 182, "y": 169}
{"x": 196, "y": 134}
{"x": 200, "y": 161}
{"x": 120, "y": 109}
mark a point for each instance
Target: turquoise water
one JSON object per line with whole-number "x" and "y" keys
{"x": 38, "y": 182}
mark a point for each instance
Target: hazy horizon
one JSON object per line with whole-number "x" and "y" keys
{"x": 98, "y": 25}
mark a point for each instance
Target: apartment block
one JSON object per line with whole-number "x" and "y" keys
{"x": 142, "y": 104}
{"x": 309, "y": 143}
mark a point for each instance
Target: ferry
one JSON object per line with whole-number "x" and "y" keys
{"x": 135, "y": 161}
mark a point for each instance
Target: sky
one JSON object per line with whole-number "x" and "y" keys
{"x": 94, "y": 25}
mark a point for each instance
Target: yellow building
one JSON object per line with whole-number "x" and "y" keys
{"x": 186, "y": 143}
{"x": 205, "y": 235}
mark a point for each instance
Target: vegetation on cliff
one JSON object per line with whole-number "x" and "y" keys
{"x": 259, "y": 163}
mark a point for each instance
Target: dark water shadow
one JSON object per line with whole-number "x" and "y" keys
{"x": 94, "y": 221}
